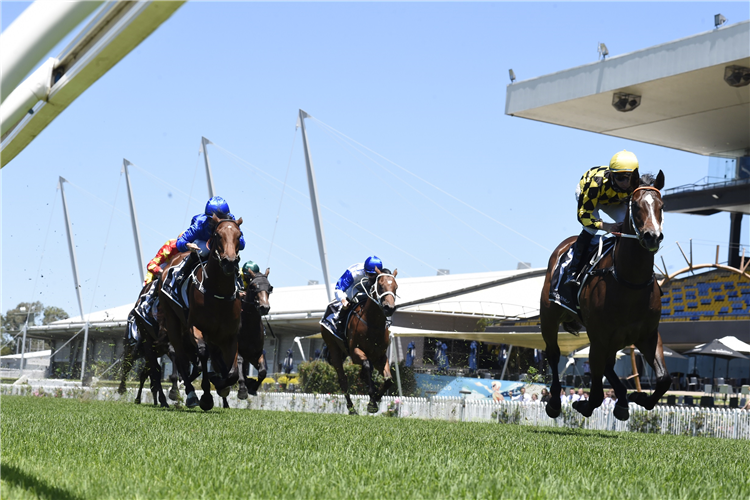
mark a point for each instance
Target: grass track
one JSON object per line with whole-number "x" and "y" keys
{"x": 68, "y": 449}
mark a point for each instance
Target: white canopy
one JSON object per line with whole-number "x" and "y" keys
{"x": 733, "y": 343}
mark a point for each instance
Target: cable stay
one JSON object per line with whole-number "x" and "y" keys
{"x": 435, "y": 187}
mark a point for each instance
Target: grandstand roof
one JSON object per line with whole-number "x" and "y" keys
{"x": 685, "y": 102}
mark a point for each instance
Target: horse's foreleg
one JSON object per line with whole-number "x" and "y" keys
{"x": 127, "y": 365}
{"x": 206, "y": 401}
{"x": 242, "y": 381}
{"x": 372, "y": 406}
{"x": 155, "y": 371}
{"x": 620, "y": 411}
{"x": 142, "y": 376}
{"x": 652, "y": 350}
{"x": 596, "y": 396}
{"x": 387, "y": 379}
{"x": 260, "y": 365}
{"x": 228, "y": 373}
{"x": 549, "y": 333}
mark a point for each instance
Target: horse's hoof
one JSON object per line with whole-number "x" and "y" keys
{"x": 192, "y": 400}
{"x": 352, "y": 411}
{"x": 173, "y": 395}
{"x": 242, "y": 393}
{"x": 121, "y": 389}
{"x": 621, "y": 413}
{"x": 137, "y": 401}
{"x": 372, "y": 407}
{"x": 224, "y": 392}
{"x": 641, "y": 399}
{"x": 207, "y": 402}
{"x": 583, "y": 408}
{"x": 552, "y": 412}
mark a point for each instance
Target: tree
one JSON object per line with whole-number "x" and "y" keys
{"x": 33, "y": 312}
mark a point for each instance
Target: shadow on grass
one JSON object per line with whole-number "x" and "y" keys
{"x": 18, "y": 478}
{"x": 582, "y": 433}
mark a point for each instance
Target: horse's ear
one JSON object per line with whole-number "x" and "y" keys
{"x": 251, "y": 273}
{"x": 635, "y": 180}
{"x": 395, "y": 272}
{"x": 214, "y": 219}
{"x": 659, "y": 182}
{"x": 268, "y": 270}
{"x": 378, "y": 271}
{"x": 239, "y": 221}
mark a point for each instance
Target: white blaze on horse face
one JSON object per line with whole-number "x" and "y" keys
{"x": 654, "y": 221}
{"x": 390, "y": 282}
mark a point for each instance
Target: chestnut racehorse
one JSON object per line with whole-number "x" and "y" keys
{"x": 213, "y": 321}
{"x": 367, "y": 338}
{"x": 254, "y": 306}
{"x": 620, "y": 305}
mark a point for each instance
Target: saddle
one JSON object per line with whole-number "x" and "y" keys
{"x": 337, "y": 327}
{"x": 567, "y": 295}
{"x": 177, "y": 293}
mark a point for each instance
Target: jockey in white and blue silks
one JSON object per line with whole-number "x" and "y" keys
{"x": 200, "y": 231}
{"x": 347, "y": 287}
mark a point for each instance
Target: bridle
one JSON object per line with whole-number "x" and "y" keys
{"x": 638, "y": 235}
{"x": 259, "y": 284}
{"x": 215, "y": 252}
{"x": 372, "y": 292}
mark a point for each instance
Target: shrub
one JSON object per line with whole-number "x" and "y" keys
{"x": 318, "y": 377}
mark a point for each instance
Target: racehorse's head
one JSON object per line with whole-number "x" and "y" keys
{"x": 384, "y": 290}
{"x": 225, "y": 244}
{"x": 647, "y": 209}
{"x": 260, "y": 289}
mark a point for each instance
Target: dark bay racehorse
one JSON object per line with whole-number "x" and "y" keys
{"x": 213, "y": 321}
{"x": 620, "y": 305}
{"x": 367, "y": 338}
{"x": 151, "y": 347}
{"x": 254, "y": 306}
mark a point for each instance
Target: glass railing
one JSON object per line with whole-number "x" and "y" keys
{"x": 706, "y": 183}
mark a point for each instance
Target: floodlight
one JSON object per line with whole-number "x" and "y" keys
{"x": 512, "y": 75}
{"x": 719, "y": 20}
{"x": 603, "y": 51}
{"x": 737, "y": 76}
{"x": 625, "y": 102}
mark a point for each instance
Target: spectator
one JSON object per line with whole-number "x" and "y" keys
{"x": 534, "y": 398}
{"x": 473, "y": 357}
{"x": 747, "y": 406}
{"x": 572, "y": 397}
{"x": 610, "y": 399}
{"x": 582, "y": 396}
{"x": 524, "y": 397}
{"x": 563, "y": 397}
{"x": 411, "y": 352}
{"x": 511, "y": 397}
{"x": 545, "y": 395}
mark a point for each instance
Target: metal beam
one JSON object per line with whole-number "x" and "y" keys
{"x": 209, "y": 175}
{"x": 134, "y": 219}
{"x": 315, "y": 206}
{"x": 74, "y": 265}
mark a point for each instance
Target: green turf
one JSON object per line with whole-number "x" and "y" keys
{"x": 70, "y": 449}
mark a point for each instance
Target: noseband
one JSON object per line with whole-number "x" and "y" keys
{"x": 638, "y": 235}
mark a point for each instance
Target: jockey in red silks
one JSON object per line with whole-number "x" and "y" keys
{"x": 165, "y": 254}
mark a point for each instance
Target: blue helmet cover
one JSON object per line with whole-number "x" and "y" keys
{"x": 371, "y": 263}
{"x": 217, "y": 205}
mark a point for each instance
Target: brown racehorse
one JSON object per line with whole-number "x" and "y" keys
{"x": 213, "y": 321}
{"x": 367, "y": 338}
{"x": 254, "y": 306}
{"x": 620, "y": 305}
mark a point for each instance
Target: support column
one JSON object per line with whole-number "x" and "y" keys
{"x": 209, "y": 176}
{"x": 735, "y": 230}
{"x": 134, "y": 220}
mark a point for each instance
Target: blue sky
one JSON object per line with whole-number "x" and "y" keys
{"x": 422, "y": 85}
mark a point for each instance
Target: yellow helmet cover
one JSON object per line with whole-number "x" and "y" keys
{"x": 623, "y": 161}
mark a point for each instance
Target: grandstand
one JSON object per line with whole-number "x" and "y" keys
{"x": 711, "y": 296}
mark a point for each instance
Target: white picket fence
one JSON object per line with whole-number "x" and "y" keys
{"x": 677, "y": 420}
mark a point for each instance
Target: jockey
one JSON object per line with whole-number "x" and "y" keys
{"x": 166, "y": 253}
{"x": 246, "y": 268}
{"x": 348, "y": 286}
{"x": 200, "y": 231}
{"x": 601, "y": 188}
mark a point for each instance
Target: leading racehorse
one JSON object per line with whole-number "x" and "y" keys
{"x": 367, "y": 338}
{"x": 620, "y": 305}
{"x": 213, "y": 320}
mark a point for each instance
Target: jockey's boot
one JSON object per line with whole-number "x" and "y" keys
{"x": 185, "y": 270}
{"x": 580, "y": 249}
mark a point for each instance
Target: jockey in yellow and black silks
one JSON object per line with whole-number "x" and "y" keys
{"x": 602, "y": 189}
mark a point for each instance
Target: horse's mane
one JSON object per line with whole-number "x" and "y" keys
{"x": 385, "y": 270}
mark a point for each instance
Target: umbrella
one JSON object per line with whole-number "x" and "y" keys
{"x": 717, "y": 350}
{"x": 668, "y": 353}
{"x": 584, "y": 353}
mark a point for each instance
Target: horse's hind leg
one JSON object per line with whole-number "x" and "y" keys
{"x": 155, "y": 372}
{"x": 128, "y": 358}
{"x": 260, "y": 365}
{"x": 142, "y": 376}
{"x": 620, "y": 411}
{"x": 652, "y": 350}
{"x": 596, "y": 396}
{"x": 337, "y": 360}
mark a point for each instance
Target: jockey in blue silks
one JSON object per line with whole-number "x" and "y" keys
{"x": 200, "y": 231}
{"x": 347, "y": 287}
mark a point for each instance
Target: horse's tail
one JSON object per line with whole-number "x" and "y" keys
{"x": 573, "y": 327}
